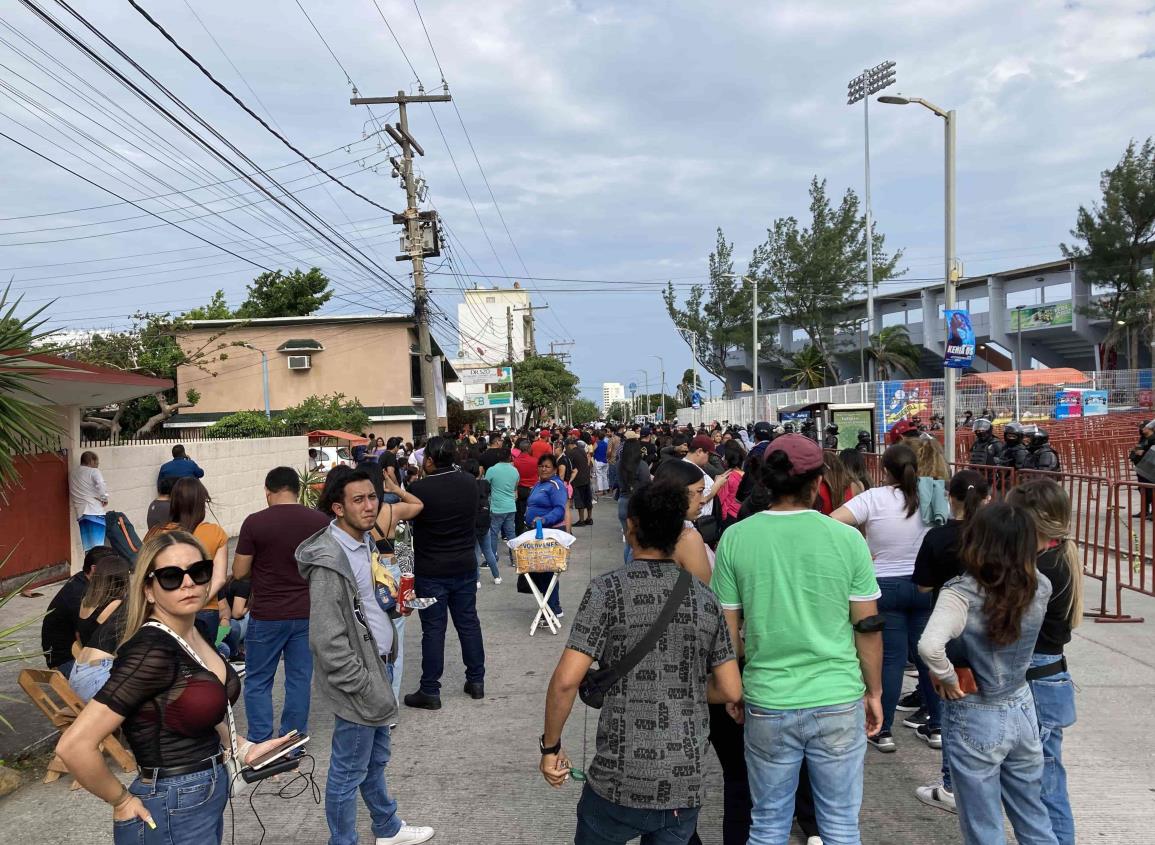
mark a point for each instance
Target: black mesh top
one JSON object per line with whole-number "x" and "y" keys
{"x": 105, "y": 635}
{"x": 171, "y": 706}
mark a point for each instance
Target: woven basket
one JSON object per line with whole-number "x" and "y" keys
{"x": 541, "y": 556}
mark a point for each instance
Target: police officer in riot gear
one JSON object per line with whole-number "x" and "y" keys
{"x": 1041, "y": 454}
{"x": 830, "y": 441}
{"x": 864, "y": 443}
{"x": 986, "y": 451}
{"x": 1014, "y": 450}
{"x": 809, "y": 429}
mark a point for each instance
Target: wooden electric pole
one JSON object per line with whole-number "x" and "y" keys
{"x": 532, "y": 346}
{"x": 413, "y": 228}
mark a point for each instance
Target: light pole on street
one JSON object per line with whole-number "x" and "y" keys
{"x": 754, "y": 340}
{"x": 647, "y": 375}
{"x": 950, "y": 374}
{"x": 861, "y": 88}
{"x": 711, "y": 385}
{"x": 662, "y": 389}
{"x": 1019, "y": 363}
{"x": 264, "y": 375}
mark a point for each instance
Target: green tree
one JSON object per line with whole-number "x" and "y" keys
{"x": 332, "y": 411}
{"x": 277, "y": 294}
{"x": 245, "y": 424}
{"x": 1116, "y": 237}
{"x": 807, "y": 368}
{"x": 582, "y": 411}
{"x": 216, "y": 309}
{"x": 619, "y": 411}
{"x": 149, "y": 347}
{"x": 893, "y": 351}
{"x": 807, "y": 276}
{"x": 690, "y": 382}
{"x": 540, "y": 382}
{"x": 457, "y": 417}
{"x": 715, "y": 318}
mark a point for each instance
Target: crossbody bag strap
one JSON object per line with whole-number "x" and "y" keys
{"x": 647, "y": 643}
{"x": 191, "y": 652}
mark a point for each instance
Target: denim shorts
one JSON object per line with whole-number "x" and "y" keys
{"x": 187, "y": 810}
{"x": 86, "y": 679}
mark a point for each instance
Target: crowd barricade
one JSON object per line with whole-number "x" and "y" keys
{"x": 1001, "y": 479}
{"x": 1135, "y": 533}
{"x": 874, "y": 468}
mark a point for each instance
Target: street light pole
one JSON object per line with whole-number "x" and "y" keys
{"x": 860, "y": 88}
{"x": 950, "y": 374}
{"x": 1019, "y": 364}
{"x": 264, "y": 376}
{"x": 663, "y": 384}
{"x": 647, "y": 375}
{"x": 754, "y": 344}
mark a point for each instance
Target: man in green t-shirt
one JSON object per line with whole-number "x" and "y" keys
{"x": 502, "y": 478}
{"x": 803, "y": 586}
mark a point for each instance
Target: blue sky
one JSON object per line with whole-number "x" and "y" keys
{"x": 615, "y": 136}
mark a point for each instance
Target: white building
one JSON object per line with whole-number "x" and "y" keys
{"x": 612, "y": 392}
{"x": 489, "y": 322}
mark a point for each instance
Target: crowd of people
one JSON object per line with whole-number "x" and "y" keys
{"x": 771, "y": 598}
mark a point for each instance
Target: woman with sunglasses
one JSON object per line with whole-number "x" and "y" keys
{"x": 170, "y": 692}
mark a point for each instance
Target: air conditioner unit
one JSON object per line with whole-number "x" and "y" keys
{"x": 300, "y": 362}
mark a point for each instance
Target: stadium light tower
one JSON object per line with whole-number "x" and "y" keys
{"x": 869, "y": 82}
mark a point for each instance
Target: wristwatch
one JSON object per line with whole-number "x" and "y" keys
{"x": 553, "y": 749}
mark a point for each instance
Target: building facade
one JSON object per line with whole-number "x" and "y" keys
{"x": 612, "y": 391}
{"x": 372, "y": 359}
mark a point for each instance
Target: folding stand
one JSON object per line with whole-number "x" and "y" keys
{"x": 543, "y": 608}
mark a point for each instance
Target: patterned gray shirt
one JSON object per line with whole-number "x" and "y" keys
{"x": 654, "y": 725}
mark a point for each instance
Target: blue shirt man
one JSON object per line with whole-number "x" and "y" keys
{"x": 181, "y": 466}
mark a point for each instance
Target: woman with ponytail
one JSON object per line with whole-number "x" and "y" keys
{"x": 992, "y": 616}
{"x": 1053, "y": 690}
{"x": 938, "y": 562}
{"x": 889, "y": 517}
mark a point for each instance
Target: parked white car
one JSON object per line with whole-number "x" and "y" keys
{"x": 328, "y": 457}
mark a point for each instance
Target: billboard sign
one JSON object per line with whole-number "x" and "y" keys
{"x": 489, "y": 400}
{"x": 1041, "y": 316}
{"x": 960, "y": 340}
{"x": 1094, "y": 403}
{"x": 490, "y": 375}
{"x": 899, "y": 400}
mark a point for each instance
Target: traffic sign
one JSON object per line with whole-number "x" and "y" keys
{"x": 633, "y": 387}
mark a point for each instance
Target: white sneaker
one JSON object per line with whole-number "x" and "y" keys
{"x": 937, "y": 796}
{"x": 497, "y": 580}
{"x": 407, "y": 835}
{"x": 814, "y": 840}
{"x": 479, "y": 585}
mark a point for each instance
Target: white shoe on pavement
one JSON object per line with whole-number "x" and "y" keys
{"x": 407, "y": 835}
{"x": 937, "y": 796}
{"x": 497, "y": 580}
{"x": 814, "y": 840}
{"x": 479, "y": 585}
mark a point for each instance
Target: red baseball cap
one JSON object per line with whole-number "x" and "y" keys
{"x": 703, "y": 442}
{"x": 805, "y": 455}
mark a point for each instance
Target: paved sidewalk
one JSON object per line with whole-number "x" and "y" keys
{"x": 470, "y": 769}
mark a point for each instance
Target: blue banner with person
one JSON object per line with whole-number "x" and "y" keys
{"x": 960, "y": 339}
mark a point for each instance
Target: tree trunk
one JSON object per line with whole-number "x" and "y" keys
{"x": 167, "y": 409}
{"x": 112, "y": 425}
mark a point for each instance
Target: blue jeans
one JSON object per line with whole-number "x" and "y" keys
{"x": 623, "y": 508}
{"x": 996, "y": 761}
{"x": 399, "y": 661}
{"x": 187, "y": 810}
{"x": 458, "y": 596}
{"x": 832, "y": 740}
{"x": 235, "y": 639}
{"x": 86, "y": 679}
{"x": 266, "y": 642}
{"x": 360, "y": 754}
{"x": 601, "y": 822}
{"x": 1055, "y": 710}
{"x": 906, "y": 611}
{"x": 500, "y": 527}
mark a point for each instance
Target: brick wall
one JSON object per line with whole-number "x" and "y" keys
{"x": 234, "y": 474}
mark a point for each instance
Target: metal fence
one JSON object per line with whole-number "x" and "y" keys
{"x": 1126, "y": 389}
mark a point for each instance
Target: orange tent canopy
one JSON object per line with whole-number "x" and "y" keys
{"x": 1030, "y": 378}
{"x": 352, "y": 439}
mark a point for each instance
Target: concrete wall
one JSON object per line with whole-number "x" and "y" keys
{"x": 234, "y": 474}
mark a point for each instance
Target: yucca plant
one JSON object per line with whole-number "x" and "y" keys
{"x": 25, "y": 427}
{"x": 311, "y": 481}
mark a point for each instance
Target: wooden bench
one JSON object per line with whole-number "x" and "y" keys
{"x": 49, "y": 690}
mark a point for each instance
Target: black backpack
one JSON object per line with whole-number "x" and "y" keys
{"x": 121, "y": 536}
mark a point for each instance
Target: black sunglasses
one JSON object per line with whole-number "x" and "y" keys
{"x": 171, "y": 577}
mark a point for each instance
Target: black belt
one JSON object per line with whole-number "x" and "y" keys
{"x": 1036, "y": 672}
{"x": 155, "y": 773}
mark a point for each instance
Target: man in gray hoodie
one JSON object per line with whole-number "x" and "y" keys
{"x": 351, "y": 638}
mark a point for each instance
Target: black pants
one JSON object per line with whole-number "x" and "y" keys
{"x": 519, "y": 516}
{"x": 727, "y": 738}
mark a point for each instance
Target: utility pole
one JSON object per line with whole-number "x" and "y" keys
{"x": 413, "y": 226}
{"x": 532, "y": 346}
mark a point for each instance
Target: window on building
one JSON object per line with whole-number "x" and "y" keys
{"x": 1057, "y": 293}
{"x": 490, "y": 300}
{"x": 798, "y": 336}
{"x": 1023, "y": 297}
{"x": 941, "y": 311}
{"x": 979, "y": 305}
{"x": 913, "y": 316}
{"x": 415, "y": 375}
{"x": 894, "y": 318}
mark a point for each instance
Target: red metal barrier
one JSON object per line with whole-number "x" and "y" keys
{"x": 1001, "y": 479}
{"x": 1133, "y": 555}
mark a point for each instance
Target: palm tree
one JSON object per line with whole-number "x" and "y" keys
{"x": 892, "y": 350}
{"x": 807, "y": 368}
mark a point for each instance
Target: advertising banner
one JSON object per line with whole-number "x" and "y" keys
{"x": 1068, "y": 404}
{"x": 489, "y": 375}
{"x": 696, "y": 400}
{"x": 899, "y": 400}
{"x": 1041, "y": 316}
{"x": 849, "y": 424}
{"x": 1094, "y": 403}
{"x": 489, "y": 400}
{"x": 960, "y": 340}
